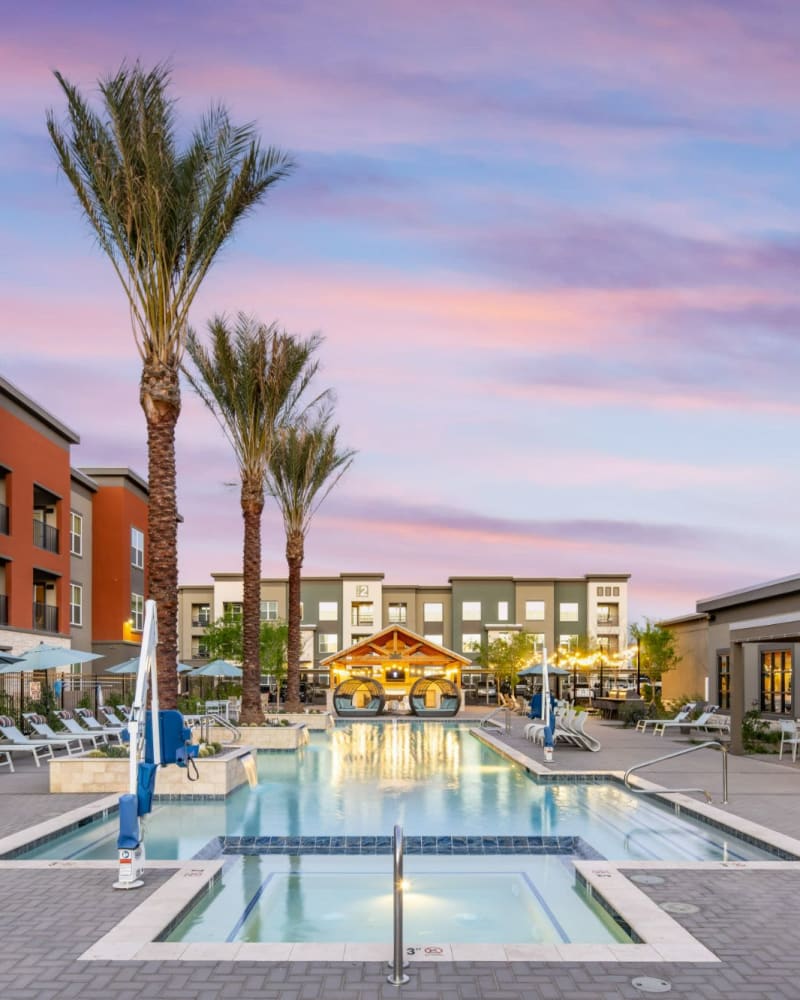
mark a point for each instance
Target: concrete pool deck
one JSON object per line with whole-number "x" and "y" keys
{"x": 54, "y": 912}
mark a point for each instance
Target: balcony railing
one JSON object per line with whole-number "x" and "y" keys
{"x": 3, "y": 519}
{"x": 612, "y": 621}
{"x": 45, "y": 536}
{"x": 202, "y": 622}
{"x": 3, "y": 609}
{"x": 363, "y": 618}
{"x": 45, "y": 617}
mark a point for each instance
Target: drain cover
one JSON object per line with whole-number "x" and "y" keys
{"x": 647, "y": 879}
{"x": 646, "y": 984}
{"x": 680, "y": 907}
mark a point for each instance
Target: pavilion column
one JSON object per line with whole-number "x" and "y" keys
{"x": 737, "y": 696}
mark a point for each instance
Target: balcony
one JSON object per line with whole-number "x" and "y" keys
{"x": 45, "y": 536}
{"x": 201, "y": 622}
{"x": 3, "y": 609}
{"x": 3, "y": 519}
{"x": 45, "y": 617}
{"x": 609, "y": 621}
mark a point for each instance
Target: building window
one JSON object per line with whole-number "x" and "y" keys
{"x": 433, "y": 612}
{"x": 776, "y": 681}
{"x": 362, "y": 614}
{"x": 569, "y": 643}
{"x": 608, "y": 615}
{"x": 75, "y": 534}
{"x": 232, "y": 610}
{"x": 471, "y": 642}
{"x": 328, "y": 642}
{"x": 608, "y": 645}
{"x": 137, "y": 548}
{"x": 137, "y": 612}
{"x": 199, "y": 648}
{"x": 201, "y": 615}
{"x": 436, "y": 637}
{"x": 537, "y": 639}
{"x": 269, "y": 611}
{"x": 568, "y": 611}
{"x": 397, "y": 614}
{"x": 495, "y": 635}
{"x": 471, "y": 611}
{"x": 328, "y": 611}
{"x": 534, "y": 611}
{"x": 724, "y": 680}
{"x": 615, "y": 591}
{"x": 75, "y": 604}
{"x": 502, "y": 611}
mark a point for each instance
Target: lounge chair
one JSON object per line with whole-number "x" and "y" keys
{"x": 577, "y": 726}
{"x": 663, "y": 724}
{"x": 714, "y": 725}
{"x": 89, "y": 721}
{"x": 112, "y": 718}
{"x": 41, "y": 727}
{"x": 684, "y": 713}
{"x": 5, "y": 758}
{"x": 12, "y": 733}
{"x": 38, "y": 750}
{"x": 70, "y": 723}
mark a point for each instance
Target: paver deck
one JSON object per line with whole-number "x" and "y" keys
{"x": 49, "y": 916}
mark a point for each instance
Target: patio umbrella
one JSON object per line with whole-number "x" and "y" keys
{"x": 131, "y": 667}
{"x": 535, "y": 670}
{"x": 217, "y": 668}
{"x": 45, "y": 657}
{"x": 7, "y": 660}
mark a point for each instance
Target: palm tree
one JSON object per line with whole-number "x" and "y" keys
{"x": 160, "y": 213}
{"x": 306, "y": 464}
{"x": 252, "y": 379}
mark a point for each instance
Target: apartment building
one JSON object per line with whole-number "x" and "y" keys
{"x": 72, "y": 541}
{"x": 339, "y": 611}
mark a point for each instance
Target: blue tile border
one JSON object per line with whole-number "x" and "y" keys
{"x": 459, "y": 844}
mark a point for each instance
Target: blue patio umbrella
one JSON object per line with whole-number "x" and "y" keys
{"x": 535, "y": 670}
{"x": 9, "y": 664}
{"x": 44, "y": 657}
{"x": 217, "y": 668}
{"x": 132, "y": 666}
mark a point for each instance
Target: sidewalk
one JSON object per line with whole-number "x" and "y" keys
{"x": 50, "y": 915}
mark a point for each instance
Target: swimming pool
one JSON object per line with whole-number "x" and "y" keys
{"x": 354, "y": 783}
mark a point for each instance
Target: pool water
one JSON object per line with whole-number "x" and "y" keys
{"x": 433, "y": 779}
{"x": 508, "y": 900}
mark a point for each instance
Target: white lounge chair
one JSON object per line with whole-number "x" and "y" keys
{"x": 663, "y": 724}
{"x": 714, "y": 725}
{"x": 71, "y": 724}
{"x": 11, "y": 732}
{"x": 41, "y": 727}
{"x": 684, "y": 713}
{"x": 112, "y": 718}
{"x": 93, "y": 726}
{"x": 5, "y": 758}
{"x": 38, "y": 750}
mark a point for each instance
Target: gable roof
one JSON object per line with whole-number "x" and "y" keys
{"x": 396, "y": 643}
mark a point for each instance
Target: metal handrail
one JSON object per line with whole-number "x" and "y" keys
{"x": 679, "y": 753}
{"x": 397, "y": 977}
{"x": 489, "y": 720}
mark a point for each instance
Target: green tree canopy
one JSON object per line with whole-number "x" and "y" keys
{"x": 656, "y": 646}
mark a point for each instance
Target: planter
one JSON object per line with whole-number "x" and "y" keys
{"x": 267, "y": 737}
{"x": 217, "y": 775}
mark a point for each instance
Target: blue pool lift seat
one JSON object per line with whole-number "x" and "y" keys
{"x": 434, "y": 698}
{"x": 359, "y": 697}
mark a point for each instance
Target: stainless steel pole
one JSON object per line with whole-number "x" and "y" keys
{"x": 397, "y": 977}
{"x": 724, "y": 750}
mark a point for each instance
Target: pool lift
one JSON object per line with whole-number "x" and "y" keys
{"x": 151, "y": 747}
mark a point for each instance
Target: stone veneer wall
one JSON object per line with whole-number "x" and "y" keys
{"x": 265, "y": 737}
{"x": 218, "y": 775}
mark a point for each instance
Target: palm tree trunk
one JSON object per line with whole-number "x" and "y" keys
{"x": 252, "y": 507}
{"x": 295, "y": 546}
{"x": 160, "y": 398}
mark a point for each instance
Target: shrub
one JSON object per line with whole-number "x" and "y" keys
{"x": 757, "y": 736}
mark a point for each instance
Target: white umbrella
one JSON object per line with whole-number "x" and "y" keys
{"x": 545, "y": 690}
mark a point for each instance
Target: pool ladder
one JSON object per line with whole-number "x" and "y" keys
{"x": 679, "y": 753}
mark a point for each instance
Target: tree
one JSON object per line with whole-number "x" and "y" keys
{"x": 224, "y": 640}
{"x": 508, "y": 656}
{"x": 252, "y": 379}
{"x": 306, "y": 465}
{"x": 656, "y": 648}
{"x": 161, "y": 214}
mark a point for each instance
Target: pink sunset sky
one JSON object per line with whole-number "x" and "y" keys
{"x": 553, "y": 249}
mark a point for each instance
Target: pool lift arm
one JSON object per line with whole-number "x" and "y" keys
{"x": 151, "y": 746}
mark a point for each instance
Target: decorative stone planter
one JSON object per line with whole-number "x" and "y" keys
{"x": 266, "y": 737}
{"x": 217, "y": 775}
